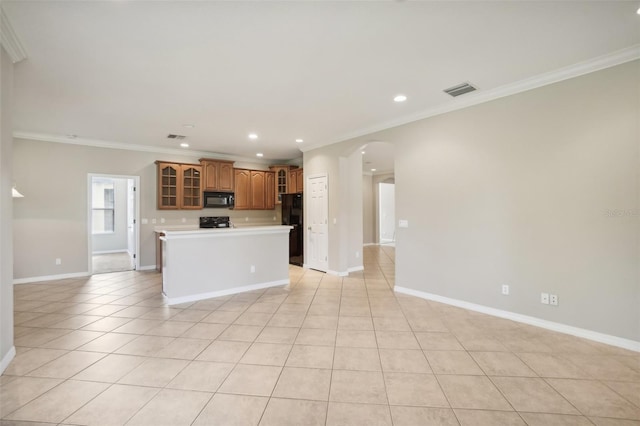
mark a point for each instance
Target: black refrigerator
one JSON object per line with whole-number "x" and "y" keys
{"x": 292, "y": 215}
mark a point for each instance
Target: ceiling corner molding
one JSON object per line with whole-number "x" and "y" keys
{"x": 42, "y": 137}
{"x": 613, "y": 59}
{"x": 10, "y": 40}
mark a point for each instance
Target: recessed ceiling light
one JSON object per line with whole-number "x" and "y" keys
{"x": 373, "y": 170}
{"x": 363, "y": 152}
{"x": 400, "y": 98}
{"x": 259, "y": 154}
{"x": 638, "y": 11}
{"x": 299, "y": 140}
{"x": 184, "y": 145}
{"x": 253, "y": 136}
{"x": 189, "y": 126}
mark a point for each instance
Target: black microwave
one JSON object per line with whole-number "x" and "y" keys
{"x": 218, "y": 200}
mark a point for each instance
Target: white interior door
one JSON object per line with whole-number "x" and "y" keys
{"x": 317, "y": 229}
{"x": 386, "y": 198}
{"x": 131, "y": 220}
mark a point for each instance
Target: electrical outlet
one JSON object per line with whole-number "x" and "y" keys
{"x": 58, "y": 261}
{"x": 505, "y": 289}
{"x": 252, "y": 269}
{"x": 553, "y": 299}
{"x": 184, "y": 220}
{"x": 162, "y": 220}
{"x": 544, "y": 298}
{"x": 154, "y": 221}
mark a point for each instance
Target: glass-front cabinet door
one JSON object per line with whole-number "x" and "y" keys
{"x": 179, "y": 186}
{"x": 168, "y": 190}
{"x": 191, "y": 187}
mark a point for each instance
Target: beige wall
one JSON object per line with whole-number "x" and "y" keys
{"x": 51, "y": 222}
{"x": 517, "y": 191}
{"x": 6, "y": 206}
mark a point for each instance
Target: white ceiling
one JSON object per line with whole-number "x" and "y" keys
{"x": 132, "y": 72}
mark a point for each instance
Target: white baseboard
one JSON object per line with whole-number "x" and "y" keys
{"x": 370, "y": 244}
{"x": 525, "y": 319}
{"x": 110, "y": 251}
{"x": 355, "y": 269}
{"x": 49, "y": 278}
{"x": 234, "y": 290}
{"x": 147, "y": 268}
{"x": 7, "y": 359}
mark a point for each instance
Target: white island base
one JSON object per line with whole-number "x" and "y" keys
{"x": 205, "y": 263}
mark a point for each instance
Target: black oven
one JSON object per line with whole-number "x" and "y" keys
{"x": 215, "y": 222}
{"x": 218, "y": 200}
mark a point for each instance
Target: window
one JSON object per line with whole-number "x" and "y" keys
{"x": 103, "y": 205}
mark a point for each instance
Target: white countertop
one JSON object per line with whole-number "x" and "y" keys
{"x": 180, "y": 233}
{"x": 175, "y": 228}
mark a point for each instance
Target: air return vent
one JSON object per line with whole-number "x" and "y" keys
{"x": 460, "y": 89}
{"x": 176, "y": 137}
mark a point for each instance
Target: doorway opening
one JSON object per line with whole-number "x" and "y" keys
{"x": 113, "y": 240}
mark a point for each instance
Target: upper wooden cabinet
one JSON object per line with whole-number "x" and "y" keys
{"x": 242, "y": 189}
{"x": 254, "y": 189}
{"x": 258, "y": 190}
{"x": 179, "y": 186}
{"x": 280, "y": 181}
{"x": 270, "y": 190}
{"x": 288, "y": 180}
{"x": 296, "y": 181}
{"x": 218, "y": 175}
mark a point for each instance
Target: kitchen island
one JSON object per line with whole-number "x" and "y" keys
{"x": 203, "y": 263}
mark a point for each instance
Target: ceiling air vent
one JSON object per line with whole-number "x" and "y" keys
{"x": 176, "y": 137}
{"x": 460, "y": 89}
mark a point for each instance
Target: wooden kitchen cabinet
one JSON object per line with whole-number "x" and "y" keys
{"x": 217, "y": 175}
{"x": 287, "y": 179}
{"x": 242, "y": 190}
{"x": 252, "y": 190}
{"x": 270, "y": 190}
{"x": 281, "y": 178}
{"x": 299, "y": 180}
{"x": 296, "y": 181}
{"x": 179, "y": 186}
{"x": 258, "y": 190}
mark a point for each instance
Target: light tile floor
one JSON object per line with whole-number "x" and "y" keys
{"x": 323, "y": 351}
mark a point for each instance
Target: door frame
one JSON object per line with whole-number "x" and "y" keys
{"x": 136, "y": 225}
{"x": 307, "y": 212}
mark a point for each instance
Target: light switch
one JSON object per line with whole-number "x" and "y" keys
{"x": 144, "y": 221}
{"x": 403, "y": 223}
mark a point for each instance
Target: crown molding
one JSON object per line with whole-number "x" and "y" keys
{"x": 10, "y": 40}
{"x": 619, "y": 57}
{"x": 42, "y": 137}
